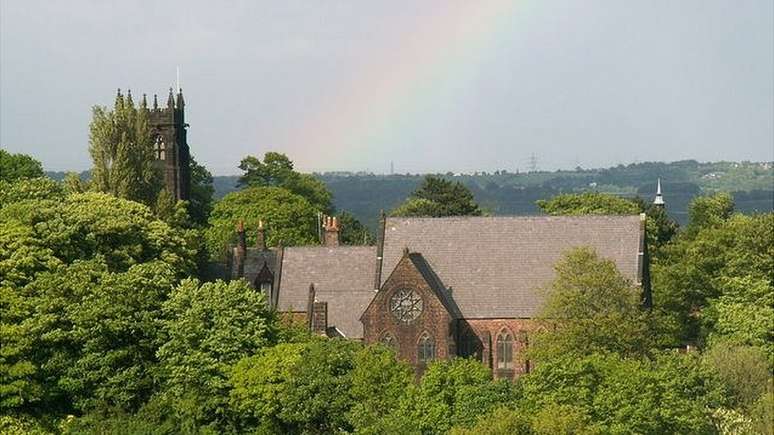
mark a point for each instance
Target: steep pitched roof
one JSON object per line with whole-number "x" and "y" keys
{"x": 254, "y": 261}
{"x": 343, "y": 276}
{"x": 495, "y": 266}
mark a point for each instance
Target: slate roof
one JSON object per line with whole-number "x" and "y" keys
{"x": 494, "y": 267}
{"x": 254, "y": 260}
{"x": 342, "y": 276}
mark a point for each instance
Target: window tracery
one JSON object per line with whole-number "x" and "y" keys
{"x": 426, "y": 348}
{"x": 504, "y": 350}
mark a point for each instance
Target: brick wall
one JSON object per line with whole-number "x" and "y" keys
{"x": 485, "y": 331}
{"x": 434, "y": 319}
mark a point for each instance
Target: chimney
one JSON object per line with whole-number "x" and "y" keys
{"x": 316, "y": 313}
{"x": 241, "y": 250}
{"x": 330, "y": 231}
{"x": 260, "y": 237}
{"x": 319, "y": 318}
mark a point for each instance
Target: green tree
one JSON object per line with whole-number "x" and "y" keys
{"x": 593, "y": 308}
{"x": 709, "y": 211}
{"x": 715, "y": 280}
{"x": 352, "y": 231}
{"x": 202, "y": 190}
{"x": 16, "y": 166}
{"x": 317, "y": 398}
{"x": 289, "y": 217}
{"x": 572, "y": 204}
{"x": 276, "y": 170}
{"x": 259, "y": 384}
{"x": 451, "y": 393}
{"x": 439, "y": 197}
{"x": 501, "y": 421}
{"x": 672, "y": 394}
{"x": 209, "y": 328}
{"x": 97, "y": 332}
{"x": 61, "y": 255}
{"x": 744, "y": 370}
{"x": 379, "y": 383}
{"x": 121, "y": 148}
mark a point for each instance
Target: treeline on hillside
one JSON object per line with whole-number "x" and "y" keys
{"x": 110, "y": 326}
{"x": 506, "y": 193}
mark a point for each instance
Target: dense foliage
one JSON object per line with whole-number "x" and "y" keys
{"x": 290, "y": 218}
{"x": 82, "y": 280}
{"x": 276, "y": 170}
{"x": 121, "y": 148}
{"x": 437, "y": 197}
{"x": 15, "y": 166}
{"x": 104, "y": 328}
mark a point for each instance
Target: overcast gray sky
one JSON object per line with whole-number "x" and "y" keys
{"x": 430, "y": 85}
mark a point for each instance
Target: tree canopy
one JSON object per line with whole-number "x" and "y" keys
{"x": 276, "y": 170}
{"x": 290, "y": 218}
{"x": 438, "y": 197}
{"x": 15, "y": 166}
{"x": 588, "y": 203}
{"x": 121, "y": 148}
{"x": 590, "y": 307}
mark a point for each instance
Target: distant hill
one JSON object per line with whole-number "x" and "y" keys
{"x": 503, "y": 193}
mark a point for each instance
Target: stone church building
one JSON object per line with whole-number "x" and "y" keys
{"x": 434, "y": 288}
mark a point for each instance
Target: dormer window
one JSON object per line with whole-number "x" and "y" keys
{"x": 265, "y": 280}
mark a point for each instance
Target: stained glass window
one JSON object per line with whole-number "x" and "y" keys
{"x": 406, "y": 305}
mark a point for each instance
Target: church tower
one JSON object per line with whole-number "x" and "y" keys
{"x": 170, "y": 146}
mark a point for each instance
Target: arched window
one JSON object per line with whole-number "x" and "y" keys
{"x": 426, "y": 348}
{"x": 160, "y": 148}
{"x": 504, "y": 350}
{"x": 389, "y": 340}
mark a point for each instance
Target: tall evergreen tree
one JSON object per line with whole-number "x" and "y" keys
{"x": 121, "y": 148}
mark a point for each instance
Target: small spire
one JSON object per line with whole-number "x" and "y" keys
{"x": 659, "y": 200}
{"x": 155, "y": 102}
{"x": 129, "y": 101}
{"x": 170, "y": 100}
{"x": 180, "y": 101}
{"x": 144, "y": 102}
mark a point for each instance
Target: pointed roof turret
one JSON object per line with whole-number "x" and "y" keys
{"x": 155, "y": 102}
{"x": 129, "y": 101}
{"x": 659, "y": 200}
{"x": 171, "y": 100}
{"x": 144, "y": 102}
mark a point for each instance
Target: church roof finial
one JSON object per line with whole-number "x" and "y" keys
{"x": 155, "y": 102}
{"x": 144, "y": 101}
{"x": 659, "y": 200}
{"x": 170, "y": 100}
{"x": 180, "y": 101}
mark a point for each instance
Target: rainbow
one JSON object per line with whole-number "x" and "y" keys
{"x": 420, "y": 72}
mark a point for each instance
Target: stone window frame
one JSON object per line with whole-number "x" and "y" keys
{"x": 504, "y": 349}
{"x": 264, "y": 278}
{"x": 160, "y": 147}
{"x": 414, "y": 292}
{"x": 389, "y": 339}
{"x": 426, "y": 349}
